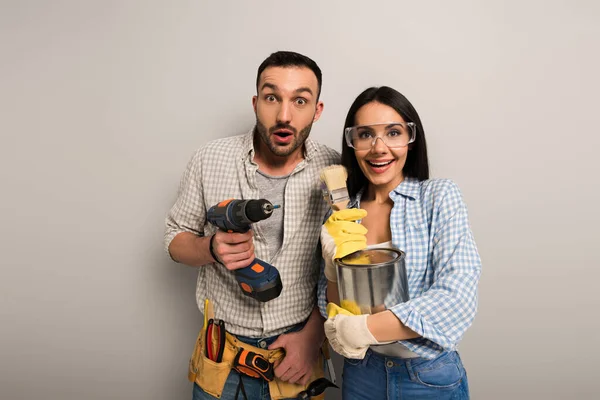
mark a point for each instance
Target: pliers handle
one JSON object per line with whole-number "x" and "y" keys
{"x": 220, "y": 326}
{"x": 208, "y": 346}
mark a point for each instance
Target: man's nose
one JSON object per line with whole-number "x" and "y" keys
{"x": 285, "y": 114}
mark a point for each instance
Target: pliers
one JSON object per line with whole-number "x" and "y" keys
{"x": 215, "y": 340}
{"x": 220, "y": 326}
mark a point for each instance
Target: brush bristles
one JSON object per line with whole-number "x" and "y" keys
{"x": 334, "y": 190}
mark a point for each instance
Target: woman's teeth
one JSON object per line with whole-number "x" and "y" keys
{"x": 379, "y": 164}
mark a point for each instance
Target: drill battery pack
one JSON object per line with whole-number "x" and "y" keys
{"x": 260, "y": 281}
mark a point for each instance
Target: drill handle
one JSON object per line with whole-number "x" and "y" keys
{"x": 236, "y": 230}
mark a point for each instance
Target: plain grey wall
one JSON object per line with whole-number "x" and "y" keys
{"x": 103, "y": 102}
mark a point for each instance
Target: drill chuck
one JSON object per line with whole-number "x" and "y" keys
{"x": 237, "y": 215}
{"x": 257, "y": 210}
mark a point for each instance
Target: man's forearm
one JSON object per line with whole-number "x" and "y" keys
{"x": 332, "y": 293}
{"x": 191, "y": 249}
{"x": 314, "y": 324}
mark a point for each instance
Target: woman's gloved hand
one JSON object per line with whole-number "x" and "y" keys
{"x": 342, "y": 235}
{"x": 347, "y": 333}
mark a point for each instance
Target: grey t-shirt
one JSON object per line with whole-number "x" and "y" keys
{"x": 272, "y": 188}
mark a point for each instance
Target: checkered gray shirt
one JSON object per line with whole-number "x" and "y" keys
{"x": 224, "y": 169}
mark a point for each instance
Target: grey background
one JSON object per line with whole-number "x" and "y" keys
{"x": 103, "y": 102}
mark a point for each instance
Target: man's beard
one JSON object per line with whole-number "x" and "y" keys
{"x": 282, "y": 151}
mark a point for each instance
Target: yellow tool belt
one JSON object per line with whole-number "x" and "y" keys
{"x": 211, "y": 376}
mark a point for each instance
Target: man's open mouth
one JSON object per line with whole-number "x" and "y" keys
{"x": 283, "y": 133}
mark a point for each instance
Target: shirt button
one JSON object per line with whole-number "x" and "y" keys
{"x": 262, "y": 344}
{"x": 389, "y": 364}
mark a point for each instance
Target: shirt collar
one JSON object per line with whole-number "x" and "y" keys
{"x": 248, "y": 146}
{"x": 409, "y": 187}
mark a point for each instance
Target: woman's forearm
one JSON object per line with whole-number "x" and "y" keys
{"x": 385, "y": 327}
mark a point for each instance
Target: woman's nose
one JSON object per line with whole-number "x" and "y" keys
{"x": 378, "y": 145}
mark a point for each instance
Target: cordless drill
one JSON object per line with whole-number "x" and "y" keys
{"x": 258, "y": 280}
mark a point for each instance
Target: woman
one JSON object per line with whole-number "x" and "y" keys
{"x": 409, "y": 350}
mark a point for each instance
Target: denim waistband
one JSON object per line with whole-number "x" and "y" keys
{"x": 263, "y": 343}
{"x": 383, "y": 361}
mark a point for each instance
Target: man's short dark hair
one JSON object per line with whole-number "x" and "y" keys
{"x": 290, "y": 59}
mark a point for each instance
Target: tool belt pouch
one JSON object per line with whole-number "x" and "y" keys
{"x": 206, "y": 373}
{"x": 211, "y": 376}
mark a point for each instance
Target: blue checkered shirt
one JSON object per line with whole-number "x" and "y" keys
{"x": 429, "y": 223}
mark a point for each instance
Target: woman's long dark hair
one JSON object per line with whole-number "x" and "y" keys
{"x": 417, "y": 164}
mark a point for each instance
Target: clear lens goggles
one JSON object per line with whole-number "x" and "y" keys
{"x": 393, "y": 134}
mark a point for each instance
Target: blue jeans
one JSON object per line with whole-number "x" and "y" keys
{"x": 379, "y": 377}
{"x": 256, "y": 388}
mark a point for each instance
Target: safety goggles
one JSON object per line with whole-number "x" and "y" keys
{"x": 392, "y": 134}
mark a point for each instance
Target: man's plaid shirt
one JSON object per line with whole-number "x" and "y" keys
{"x": 224, "y": 169}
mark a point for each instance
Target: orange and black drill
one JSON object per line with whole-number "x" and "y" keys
{"x": 258, "y": 280}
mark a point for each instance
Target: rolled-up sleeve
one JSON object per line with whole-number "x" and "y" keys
{"x": 188, "y": 214}
{"x": 447, "y": 308}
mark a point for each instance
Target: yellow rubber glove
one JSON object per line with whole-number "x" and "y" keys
{"x": 350, "y": 306}
{"x": 342, "y": 235}
{"x": 349, "y": 236}
{"x": 333, "y": 310}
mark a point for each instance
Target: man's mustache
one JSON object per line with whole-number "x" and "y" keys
{"x": 282, "y": 126}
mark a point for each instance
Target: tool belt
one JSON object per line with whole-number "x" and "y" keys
{"x": 211, "y": 375}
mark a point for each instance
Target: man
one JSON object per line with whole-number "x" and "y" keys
{"x": 275, "y": 160}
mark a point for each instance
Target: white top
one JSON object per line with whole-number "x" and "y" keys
{"x": 380, "y": 245}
